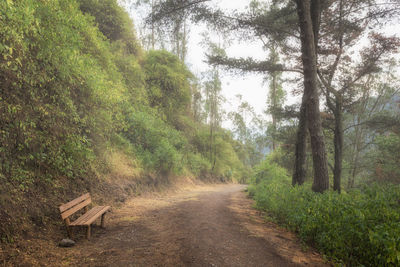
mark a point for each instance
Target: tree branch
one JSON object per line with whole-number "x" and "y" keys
{"x": 249, "y": 64}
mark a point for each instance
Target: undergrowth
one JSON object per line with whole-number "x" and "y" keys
{"x": 356, "y": 228}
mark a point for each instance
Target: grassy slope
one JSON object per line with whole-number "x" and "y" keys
{"x": 80, "y": 111}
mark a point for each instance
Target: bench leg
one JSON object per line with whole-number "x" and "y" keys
{"x": 69, "y": 232}
{"x": 88, "y": 232}
{"x": 102, "y": 220}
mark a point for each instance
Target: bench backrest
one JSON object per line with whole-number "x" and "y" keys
{"x": 73, "y": 206}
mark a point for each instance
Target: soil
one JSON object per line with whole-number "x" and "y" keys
{"x": 206, "y": 225}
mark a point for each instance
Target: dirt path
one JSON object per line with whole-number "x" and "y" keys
{"x": 212, "y": 226}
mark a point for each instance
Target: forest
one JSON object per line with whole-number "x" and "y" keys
{"x": 93, "y": 100}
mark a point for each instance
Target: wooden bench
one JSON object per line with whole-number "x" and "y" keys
{"x": 85, "y": 219}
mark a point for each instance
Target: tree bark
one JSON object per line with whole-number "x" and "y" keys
{"x": 274, "y": 110}
{"x": 299, "y": 174}
{"x": 356, "y": 157}
{"x": 152, "y": 26}
{"x": 315, "y": 12}
{"x": 321, "y": 178}
{"x": 338, "y": 144}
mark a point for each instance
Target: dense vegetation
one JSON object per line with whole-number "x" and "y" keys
{"x": 82, "y": 105}
{"x": 358, "y": 228}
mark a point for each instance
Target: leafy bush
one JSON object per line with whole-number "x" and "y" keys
{"x": 358, "y": 228}
{"x": 55, "y": 73}
{"x": 388, "y": 158}
{"x": 157, "y": 144}
{"x": 198, "y": 165}
{"x": 167, "y": 80}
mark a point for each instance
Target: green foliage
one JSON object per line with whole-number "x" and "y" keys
{"x": 113, "y": 21}
{"x": 167, "y": 80}
{"x": 133, "y": 76}
{"x": 387, "y": 157}
{"x": 49, "y": 78}
{"x": 108, "y": 15}
{"x": 227, "y": 163}
{"x": 198, "y": 165}
{"x": 157, "y": 143}
{"x": 358, "y": 228}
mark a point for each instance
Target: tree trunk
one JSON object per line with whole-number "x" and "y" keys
{"x": 315, "y": 12}
{"x": 352, "y": 178}
{"x": 338, "y": 143}
{"x": 274, "y": 110}
{"x": 356, "y": 157}
{"x": 152, "y": 26}
{"x": 321, "y": 178}
{"x": 211, "y": 139}
{"x": 299, "y": 174}
{"x": 184, "y": 42}
{"x": 215, "y": 155}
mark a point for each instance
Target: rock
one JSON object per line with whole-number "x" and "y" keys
{"x": 66, "y": 243}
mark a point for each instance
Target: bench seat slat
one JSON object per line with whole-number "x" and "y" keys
{"x": 72, "y": 203}
{"x": 74, "y": 209}
{"x": 90, "y": 216}
{"x": 99, "y": 213}
{"x": 84, "y": 217}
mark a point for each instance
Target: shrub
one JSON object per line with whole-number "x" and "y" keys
{"x": 388, "y": 158}
{"x": 157, "y": 144}
{"x": 358, "y": 228}
{"x": 198, "y": 165}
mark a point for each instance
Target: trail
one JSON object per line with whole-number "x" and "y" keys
{"x": 211, "y": 226}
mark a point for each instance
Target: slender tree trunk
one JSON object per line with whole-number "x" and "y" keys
{"x": 321, "y": 178}
{"x": 299, "y": 174}
{"x": 357, "y": 150}
{"x": 152, "y": 26}
{"x": 353, "y": 173}
{"x": 184, "y": 42}
{"x": 338, "y": 143}
{"x": 273, "y": 110}
{"x": 273, "y": 138}
{"x": 177, "y": 39}
{"x": 211, "y": 139}
{"x": 215, "y": 155}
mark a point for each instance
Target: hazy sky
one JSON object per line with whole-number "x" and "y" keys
{"x": 250, "y": 86}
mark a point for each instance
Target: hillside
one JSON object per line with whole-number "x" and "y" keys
{"x": 84, "y": 108}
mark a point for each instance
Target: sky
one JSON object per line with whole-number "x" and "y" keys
{"x": 250, "y": 86}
